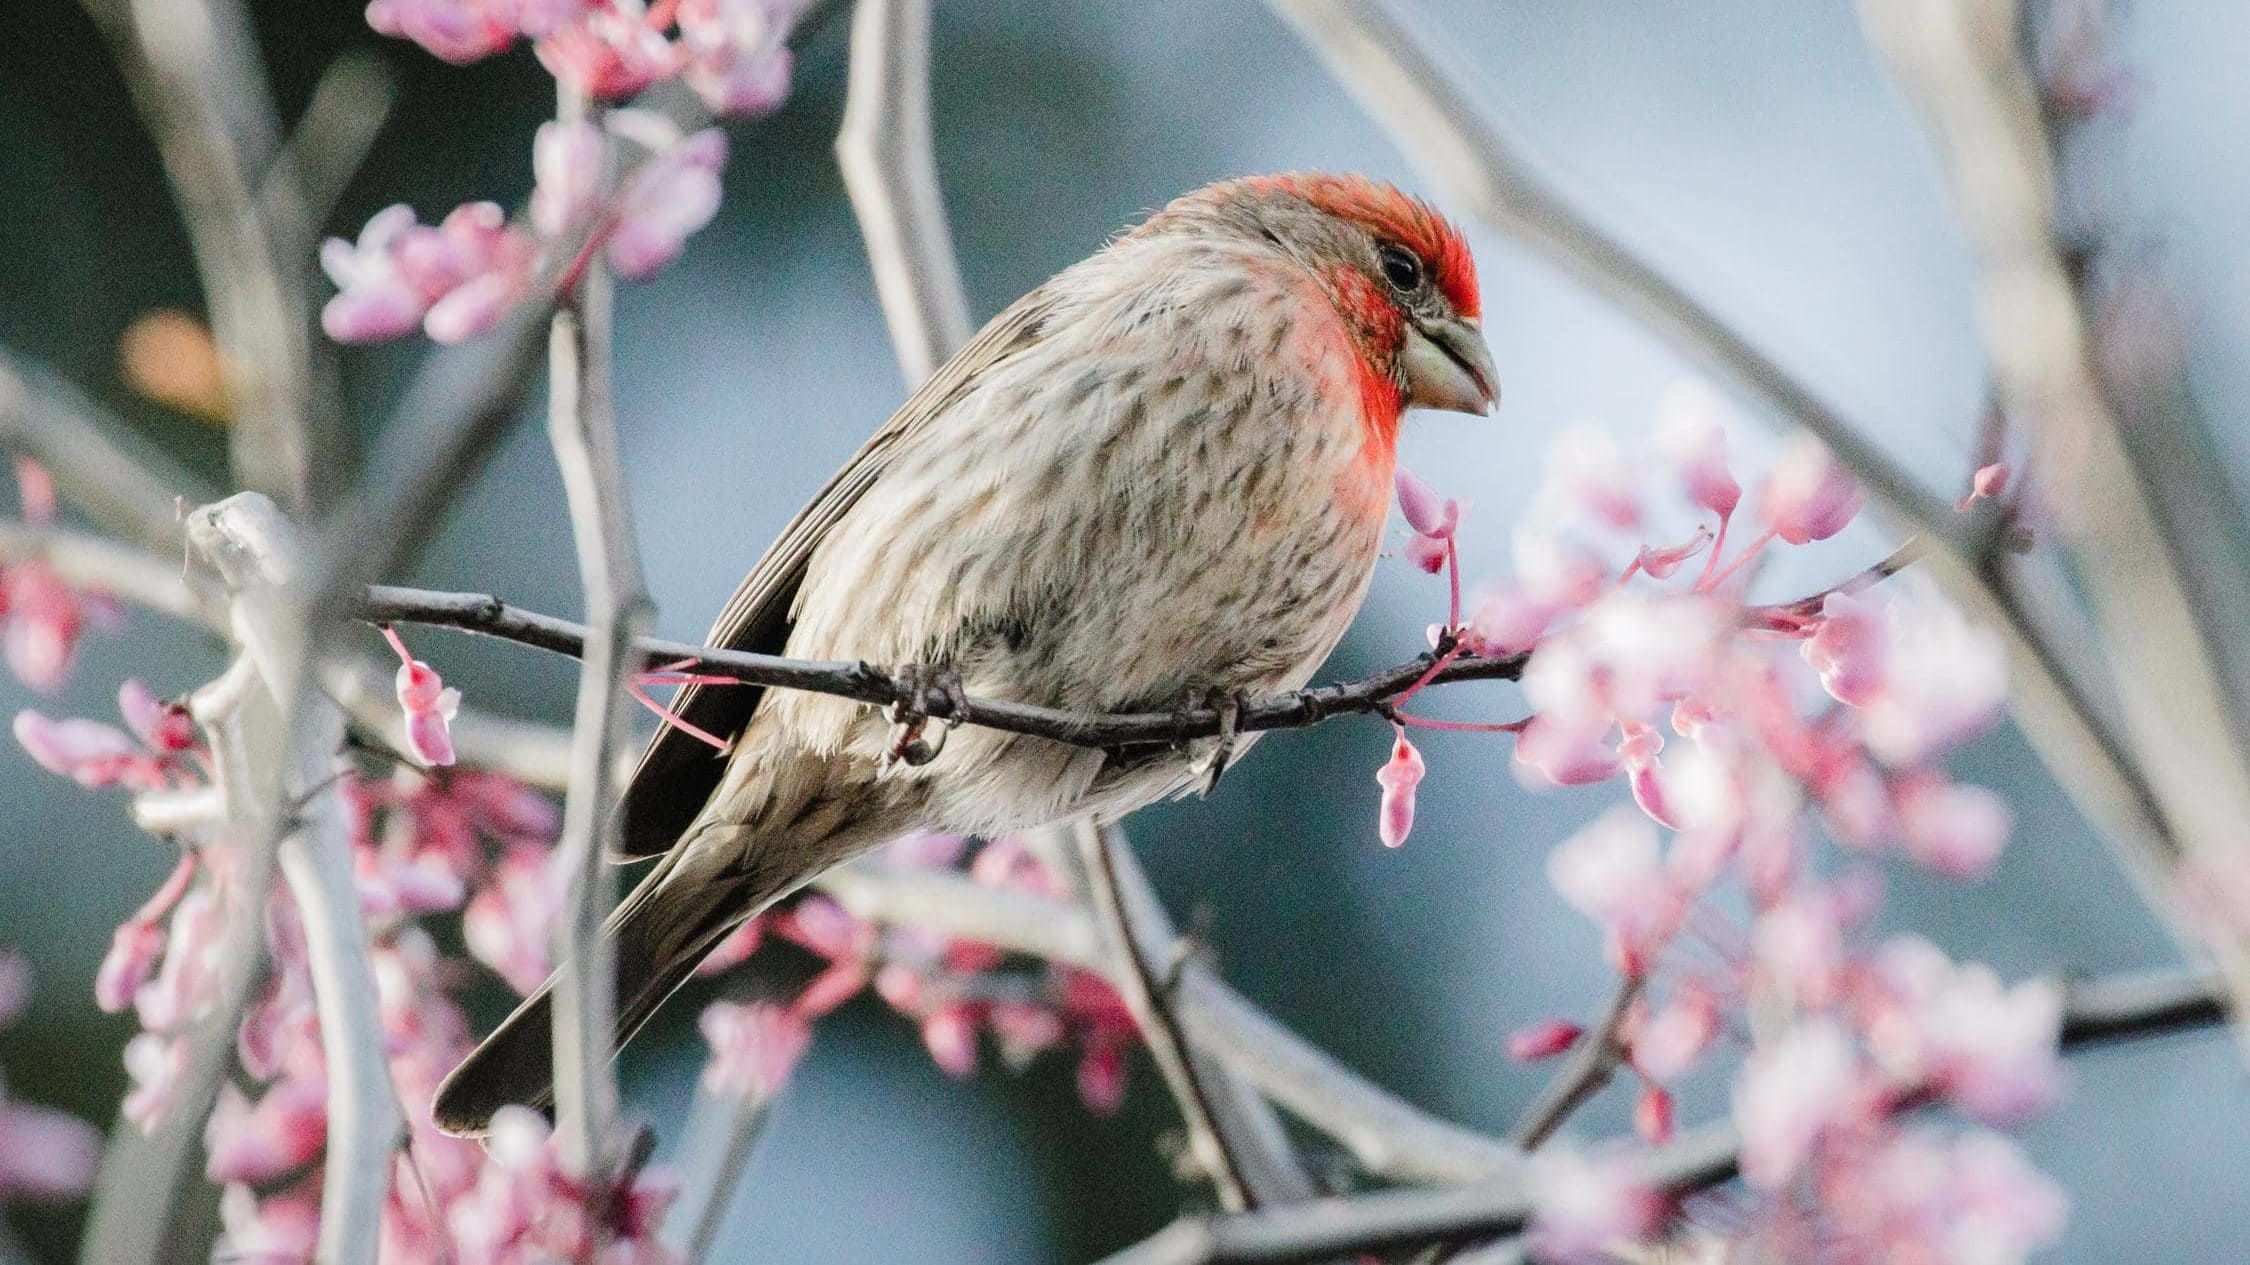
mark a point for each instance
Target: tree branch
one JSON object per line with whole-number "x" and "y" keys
{"x": 2112, "y": 1009}
{"x": 1245, "y": 1155}
{"x": 1587, "y": 1072}
{"x": 254, "y": 548}
{"x": 890, "y": 172}
{"x": 583, "y": 428}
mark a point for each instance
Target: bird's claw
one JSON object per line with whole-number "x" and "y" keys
{"x": 926, "y": 692}
{"x": 1215, "y": 761}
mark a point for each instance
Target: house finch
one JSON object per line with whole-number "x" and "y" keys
{"x": 1162, "y": 474}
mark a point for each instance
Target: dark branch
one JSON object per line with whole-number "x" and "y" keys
{"x": 866, "y": 683}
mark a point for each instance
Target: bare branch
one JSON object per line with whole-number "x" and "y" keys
{"x": 1587, "y": 1073}
{"x": 1328, "y": 1229}
{"x": 255, "y": 549}
{"x": 1960, "y": 65}
{"x": 1229, "y": 1146}
{"x": 349, "y": 106}
{"x": 890, "y": 171}
{"x": 193, "y": 70}
{"x": 582, "y": 427}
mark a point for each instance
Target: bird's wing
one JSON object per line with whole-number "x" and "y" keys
{"x": 678, "y": 772}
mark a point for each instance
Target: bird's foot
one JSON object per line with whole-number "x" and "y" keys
{"x": 1219, "y": 757}
{"x": 925, "y": 692}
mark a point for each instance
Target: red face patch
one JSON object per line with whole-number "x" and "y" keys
{"x": 1392, "y": 215}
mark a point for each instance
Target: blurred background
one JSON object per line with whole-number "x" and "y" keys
{"x": 1751, "y": 147}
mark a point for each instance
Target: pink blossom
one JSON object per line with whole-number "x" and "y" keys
{"x": 675, "y": 192}
{"x": 1988, "y": 482}
{"x": 566, "y": 166}
{"x": 1849, "y": 648}
{"x": 1583, "y": 1206}
{"x": 951, "y": 1037}
{"x": 738, "y": 52}
{"x": 1612, "y": 872}
{"x": 1971, "y": 1200}
{"x": 154, "y": 1063}
{"x": 1024, "y": 1031}
{"x": 610, "y": 55}
{"x": 42, "y": 620}
{"x": 511, "y": 920}
{"x": 282, "y": 1132}
{"x": 737, "y": 948}
{"x": 458, "y": 31}
{"x": 1543, "y": 1040}
{"x": 279, "y": 1228}
{"x": 455, "y": 278}
{"x": 1662, "y": 562}
{"x": 1587, "y": 476}
{"x": 429, "y": 704}
{"x": 1797, "y": 947}
{"x": 1953, "y": 829}
{"x": 160, "y": 724}
{"x": 1947, "y": 680}
{"x": 1567, "y": 752}
{"x": 1398, "y": 778}
{"x": 754, "y": 1048}
{"x": 1789, "y": 1094}
{"x": 44, "y": 1153}
{"x": 1101, "y": 1078}
{"x": 1669, "y": 1042}
{"x": 1652, "y": 1114}
{"x": 1692, "y": 440}
{"x": 1989, "y": 1048}
{"x": 90, "y": 753}
{"x": 138, "y": 942}
{"x": 1432, "y": 519}
{"x": 1808, "y": 495}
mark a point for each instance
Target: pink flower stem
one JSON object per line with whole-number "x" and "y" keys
{"x": 1725, "y": 573}
{"x": 641, "y": 695}
{"x": 1406, "y": 695}
{"x": 1453, "y": 583}
{"x": 390, "y": 634}
{"x": 1718, "y": 546}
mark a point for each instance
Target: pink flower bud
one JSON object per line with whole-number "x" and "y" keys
{"x": 1850, "y": 648}
{"x": 1425, "y": 512}
{"x": 162, "y": 724}
{"x": 1808, "y": 495}
{"x": 1101, "y": 1079}
{"x": 1652, "y": 1114}
{"x": 1692, "y": 440}
{"x": 566, "y": 166}
{"x": 951, "y": 1038}
{"x": 1398, "y": 778}
{"x": 754, "y": 1048}
{"x": 1988, "y": 482}
{"x": 45, "y": 1154}
{"x": 674, "y": 193}
{"x": 1662, "y": 563}
{"x": 736, "y": 949}
{"x": 1672, "y": 1038}
{"x": 130, "y": 962}
{"x": 832, "y": 988}
{"x": 1543, "y": 1040}
{"x": 1952, "y": 829}
{"x": 738, "y": 52}
{"x": 87, "y": 752}
{"x": 610, "y": 55}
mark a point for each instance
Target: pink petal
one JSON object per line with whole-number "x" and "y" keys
{"x": 1398, "y": 777}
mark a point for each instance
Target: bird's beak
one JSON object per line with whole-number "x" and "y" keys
{"x": 1447, "y": 366}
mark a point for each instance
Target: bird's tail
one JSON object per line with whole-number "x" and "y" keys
{"x": 672, "y": 920}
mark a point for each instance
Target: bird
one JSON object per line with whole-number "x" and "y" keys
{"x": 1163, "y": 474}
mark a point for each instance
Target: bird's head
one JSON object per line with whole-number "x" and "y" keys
{"x": 1398, "y": 273}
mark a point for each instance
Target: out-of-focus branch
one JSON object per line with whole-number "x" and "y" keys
{"x": 255, "y": 550}
{"x": 582, "y": 426}
{"x": 144, "y": 1209}
{"x": 1585, "y": 1074}
{"x": 890, "y": 171}
{"x": 1231, "y": 1134}
{"x": 1328, "y": 1229}
{"x": 1370, "y": 49}
{"x": 323, "y": 152}
{"x": 1389, "y": 1137}
{"x": 193, "y": 70}
{"x": 714, "y": 1154}
{"x": 119, "y": 479}
{"x": 1435, "y": 121}
{"x": 1959, "y": 63}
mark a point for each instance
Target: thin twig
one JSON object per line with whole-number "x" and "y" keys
{"x": 890, "y": 171}
{"x": 2124, "y": 1007}
{"x": 1142, "y": 976}
{"x": 582, "y": 427}
{"x": 1588, "y": 1071}
{"x": 713, "y": 1157}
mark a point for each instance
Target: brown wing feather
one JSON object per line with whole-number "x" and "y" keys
{"x": 678, "y": 772}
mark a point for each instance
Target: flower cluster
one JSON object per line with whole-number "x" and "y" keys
{"x": 458, "y": 278}
{"x": 954, "y": 990}
{"x": 1745, "y": 733}
{"x": 41, "y": 617}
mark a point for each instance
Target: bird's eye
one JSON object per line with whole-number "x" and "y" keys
{"x": 1400, "y": 267}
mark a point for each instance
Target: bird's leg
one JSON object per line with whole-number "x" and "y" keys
{"x": 1214, "y": 762}
{"x": 925, "y": 690}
